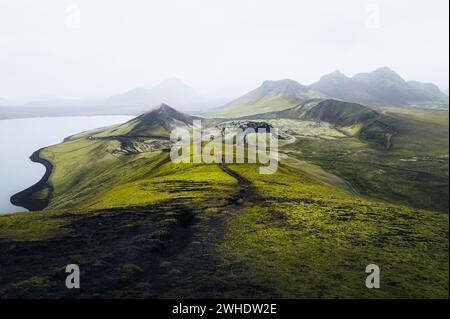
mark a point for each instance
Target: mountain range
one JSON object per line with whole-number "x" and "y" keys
{"x": 382, "y": 87}
{"x": 133, "y": 102}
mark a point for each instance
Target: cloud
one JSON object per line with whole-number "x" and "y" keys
{"x": 220, "y": 47}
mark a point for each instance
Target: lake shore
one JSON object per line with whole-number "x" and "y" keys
{"x": 17, "y": 171}
{"x": 24, "y": 198}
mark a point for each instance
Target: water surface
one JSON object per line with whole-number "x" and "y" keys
{"x": 19, "y": 138}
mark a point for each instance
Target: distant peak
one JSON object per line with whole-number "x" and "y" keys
{"x": 280, "y": 82}
{"x": 384, "y": 69}
{"x": 285, "y": 84}
{"x": 336, "y": 75}
{"x": 381, "y": 74}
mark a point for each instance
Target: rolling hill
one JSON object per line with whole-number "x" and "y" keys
{"x": 270, "y": 96}
{"x": 382, "y": 87}
{"x": 351, "y": 118}
{"x": 160, "y": 121}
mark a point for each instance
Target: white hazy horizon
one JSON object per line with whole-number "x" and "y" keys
{"x": 95, "y": 49}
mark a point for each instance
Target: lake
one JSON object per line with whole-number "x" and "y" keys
{"x": 19, "y": 138}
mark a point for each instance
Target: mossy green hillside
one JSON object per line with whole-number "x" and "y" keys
{"x": 283, "y": 235}
{"x": 413, "y": 171}
{"x": 298, "y": 238}
{"x": 143, "y": 226}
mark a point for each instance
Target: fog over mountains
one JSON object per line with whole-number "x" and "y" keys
{"x": 133, "y": 102}
{"x": 172, "y": 91}
{"x": 382, "y": 87}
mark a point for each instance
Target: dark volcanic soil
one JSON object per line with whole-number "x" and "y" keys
{"x": 162, "y": 250}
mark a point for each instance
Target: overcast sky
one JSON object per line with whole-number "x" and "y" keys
{"x": 85, "y": 48}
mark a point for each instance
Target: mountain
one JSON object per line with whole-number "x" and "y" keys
{"x": 160, "y": 121}
{"x": 381, "y": 87}
{"x": 428, "y": 91}
{"x": 135, "y": 101}
{"x": 270, "y": 96}
{"x": 171, "y": 91}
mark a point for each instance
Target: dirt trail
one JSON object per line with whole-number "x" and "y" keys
{"x": 247, "y": 191}
{"x": 198, "y": 258}
{"x": 241, "y": 180}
